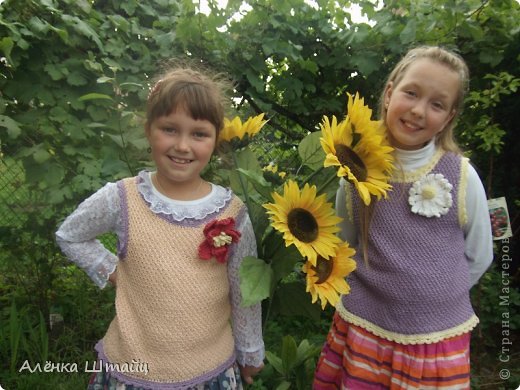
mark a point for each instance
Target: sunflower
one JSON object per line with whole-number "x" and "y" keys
{"x": 235, "y": 127}
{"x": 305, "y": 220}
{"x": 273, "y": 169}
{"x": 356, "y": 146}
{"x": 326, "y": 279}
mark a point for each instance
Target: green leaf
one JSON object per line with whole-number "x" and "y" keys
{"x": 259, "y": 220}
{"x": 284, "y": 260}
{"x": 310, "y": 150}
{"x": 56, "y": 72}
{"x": 259, "y": 183}
{"x": 13, "y": 127}
{"x": 38, "y": 26}
{"x": 113, "y": 167}
{"x": 94, "y": 96}
{"x": 327, "y": 182}
{"x": 139, "y": 143}
{"x": 254, "y": 80}
{"x": 93, "y": 66}
{"x": 15, "y": 332}
{"x": 59, "y": 114}
{"x": 129, "y": 6}
{"x": 274, "y": 361}
{"x": 246, "y": 160}
{"x": 284, "y": 385}
{"x": 291, "y": 299}
{"x": 289, "y": 354}
{"x": 409, "y": 32}
{"x": 6, "y": 45}
{"x": 256, "y": 278}
{"x": 120, "y": 22}
{"x": 116, "y": 138}
{"x": 83, "y": 28}
{"x": 41, "y": 155}
{"x": 105, "y": 79}
{"x": 165, "y": 40}
{"x": 490, "y": 56}
{"x": 306, "y": 351}
{"x": 367, "y": 63}
{"x": 54, "y": 175}
{"x": 76, "y": 79}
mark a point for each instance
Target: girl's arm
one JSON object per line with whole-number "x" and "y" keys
{"x": 98, "y": 214}
{"x": 246, "y": 321}
{"x": 348, "y": 230}
{"x": 479, "y": 242}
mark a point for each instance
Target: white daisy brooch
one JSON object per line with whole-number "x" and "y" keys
{"x": 430, "y": 196}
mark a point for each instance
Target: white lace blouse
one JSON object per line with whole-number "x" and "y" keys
{"x": 101, "y": 213}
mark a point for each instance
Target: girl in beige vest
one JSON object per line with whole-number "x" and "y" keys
{"x": 181, "y": 240}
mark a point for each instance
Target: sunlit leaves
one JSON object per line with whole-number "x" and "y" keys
{"x": 13, "y": 128}
{"x": 257, "y": 279}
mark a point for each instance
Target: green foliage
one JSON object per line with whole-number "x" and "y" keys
{"x": 295, "y": 365}
{"x": 258, "y": 278}
{"x": 487, "y": 131}
{"x": 497, "y": 303}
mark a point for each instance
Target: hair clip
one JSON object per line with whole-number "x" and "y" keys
{"x": 154, "y": 89}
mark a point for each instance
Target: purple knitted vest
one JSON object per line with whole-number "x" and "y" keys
{"x": 417, "y": 280}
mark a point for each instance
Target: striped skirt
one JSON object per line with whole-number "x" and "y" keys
{"x": 353, "y": 358}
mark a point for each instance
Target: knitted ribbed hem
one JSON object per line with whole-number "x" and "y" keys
{"x": 425, "y": 338}
{"x": 463, "y": 215}
{"x": 156, "y": 385}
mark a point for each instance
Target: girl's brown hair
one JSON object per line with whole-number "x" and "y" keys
{"x": 198, "y": 91}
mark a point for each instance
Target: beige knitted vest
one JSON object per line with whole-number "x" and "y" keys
{"x": 172, "y": 308}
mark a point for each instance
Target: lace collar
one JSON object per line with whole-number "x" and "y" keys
{"x": 179, "y": 210}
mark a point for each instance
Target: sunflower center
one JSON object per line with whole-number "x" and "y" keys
{"x": 323, "y": 269}
{"x": 348, "y": 157}
{"x": 302, "y": 225}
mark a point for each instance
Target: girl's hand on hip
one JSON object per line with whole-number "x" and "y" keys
{"x": 113, "y": 278}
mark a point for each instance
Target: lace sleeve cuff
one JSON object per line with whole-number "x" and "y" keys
{"x": 102, "y": 271}
{"x": 251, "y": 358}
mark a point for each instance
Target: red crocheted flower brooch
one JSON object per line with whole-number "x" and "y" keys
{"x": 219, "y": 234}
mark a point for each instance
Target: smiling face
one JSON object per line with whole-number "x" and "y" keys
{"x": 181, "y": 148}
{"x": 421, "y": 104}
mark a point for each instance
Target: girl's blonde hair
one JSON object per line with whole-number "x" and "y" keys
{"x": 452, "y": 61}
{"x": 200, "y": 93}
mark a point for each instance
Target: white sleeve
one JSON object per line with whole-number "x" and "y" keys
{"x": 98, "y": 214}
{"x": 246, "y": 321}
{"x": 343, "y": 207}
{"x": 478, "y": 238}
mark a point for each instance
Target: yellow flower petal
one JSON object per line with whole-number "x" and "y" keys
{"x": 359, "y": 151}
{"x": 305, "y": 219}
{"x": 326, "y": 281}
{"x": 235, "y": 127}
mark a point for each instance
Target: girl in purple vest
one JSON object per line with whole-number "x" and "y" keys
{"x": 406, "y": 323}
{"x": 179, "y": 321}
